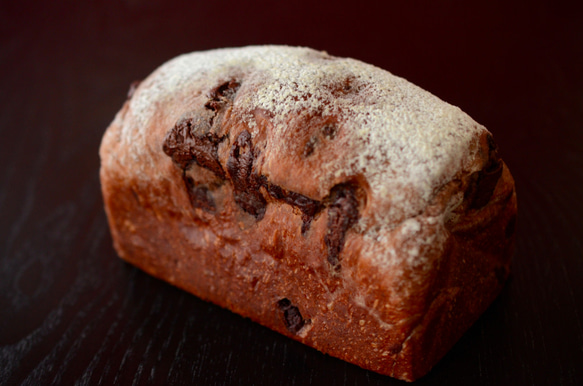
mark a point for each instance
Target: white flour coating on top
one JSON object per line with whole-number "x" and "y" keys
{"x": 405, "y": 141}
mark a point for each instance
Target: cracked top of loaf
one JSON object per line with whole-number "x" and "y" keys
{"x": 318, "y": 121}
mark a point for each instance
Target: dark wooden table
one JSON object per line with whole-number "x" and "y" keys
{"x": 72, "y": 312}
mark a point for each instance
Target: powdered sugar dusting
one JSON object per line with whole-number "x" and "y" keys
{"x": 404, "y": 141}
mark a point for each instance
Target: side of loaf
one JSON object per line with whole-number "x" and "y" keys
{"x": 322, "y": 197}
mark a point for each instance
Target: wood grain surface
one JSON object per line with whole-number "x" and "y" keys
{"x": 71, "y": 312}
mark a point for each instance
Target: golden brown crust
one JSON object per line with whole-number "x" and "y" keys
{"x": 210, "y": 204}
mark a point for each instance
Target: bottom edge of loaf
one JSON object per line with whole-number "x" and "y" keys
{"x": 415, "y": 360}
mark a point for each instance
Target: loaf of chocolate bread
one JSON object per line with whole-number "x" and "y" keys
{"x": 322, "y": 197}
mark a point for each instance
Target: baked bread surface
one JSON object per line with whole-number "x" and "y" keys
{"x": 322, "y": 197}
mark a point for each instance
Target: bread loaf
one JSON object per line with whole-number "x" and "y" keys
{"x": 322, "y": 197}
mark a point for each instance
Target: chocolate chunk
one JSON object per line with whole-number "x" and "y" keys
{"x": 291, "y": 316}
{"x": 190, "y": 140}
{"x": 200, "y": 196}
{"x": 327, "y": 131}
{"x": 330, "y": 130}
{"x": 246, "y": 183}
{"x": 308, "y": 206}
{"x": 342, "y": 215}
{"x": 222, "y": 94}
{"x": 310, "y": 146}
{"x": 485, "y": 181}
{"x": 284, "y": 303}
{"x": 347, "y": 85}
{"x": 274, "y": 191}
{"x": 251, "y": 202}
